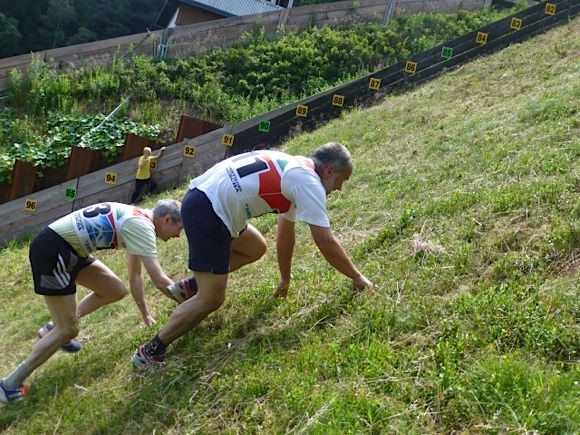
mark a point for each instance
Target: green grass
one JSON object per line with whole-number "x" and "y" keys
{"x": 463, "y": 210}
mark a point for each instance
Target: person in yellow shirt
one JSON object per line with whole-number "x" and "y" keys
{"x": 143, "y": 177}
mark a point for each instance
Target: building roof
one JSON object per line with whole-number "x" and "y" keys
{"x": 225, "y": 8}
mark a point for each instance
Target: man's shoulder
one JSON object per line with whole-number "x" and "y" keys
{"x": 301, "y": 174}
{"x": 140, "y": 223}
{"x": 139, "y": 236}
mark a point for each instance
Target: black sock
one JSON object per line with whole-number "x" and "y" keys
{"x": 192, "y": 283}
{"x": 155, "y": 347}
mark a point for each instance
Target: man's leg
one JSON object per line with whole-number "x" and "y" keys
{"x": 105, "y": 287}
{"x": 63, "y": 310}
{"x": 152, "y": 186}
{"x": 211, "y": 293}
{"x": 247, "y": 248}
{"x": 139, "y": 184}
{"x": 209, "y": 297}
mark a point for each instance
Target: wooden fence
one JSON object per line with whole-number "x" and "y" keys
{"x": 191, "y": 157}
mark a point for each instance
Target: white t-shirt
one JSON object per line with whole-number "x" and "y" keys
{"x": 260, "y": 182}
{"x": 108, "y": 225}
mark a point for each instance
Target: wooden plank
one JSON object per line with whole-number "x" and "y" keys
{"x": 51, "y": 177}
{"x": 48, "y": 204}
{"x": 23, "y": 178}
{"x": 190, "y": 127}
{"x": 206, "y": 155}
{"x": 134, "y": 145}
{"x": 121, "y": 193}
{"x": 83, "y": 161}
{"x": 94, "y": 187}
{"x": 14, "y": 210}
{"x": 31, "y": 225}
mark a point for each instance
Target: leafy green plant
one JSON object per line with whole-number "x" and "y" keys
{"x": 65, "y": 131}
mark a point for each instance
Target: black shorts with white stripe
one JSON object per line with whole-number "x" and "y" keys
{"x": 55, "y": 264}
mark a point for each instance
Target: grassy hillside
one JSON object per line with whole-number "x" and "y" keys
{"x": 463, "y": 209}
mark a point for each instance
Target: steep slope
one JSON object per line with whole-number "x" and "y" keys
{"x": 463, "y": 209}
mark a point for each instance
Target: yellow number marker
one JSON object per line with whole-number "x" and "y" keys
{"x": 31, "y": 205}
{"x": 338, "y": 100}
{"x": 411, "y": 67}
{"x": 301, "y": 110}
{"x": 374, "y": 84}
{"x": 111, "y": 178}
{"x": 228, "y": 139}
{"x": 189, "y": 151}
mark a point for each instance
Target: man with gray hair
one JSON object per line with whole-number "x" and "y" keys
{"x": 215, "y": 212}
{"x": 60, "y": 256}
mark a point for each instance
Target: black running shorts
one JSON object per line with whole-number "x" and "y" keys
{"x": 208, "y": 237}
{"x": 55, "y": 264}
